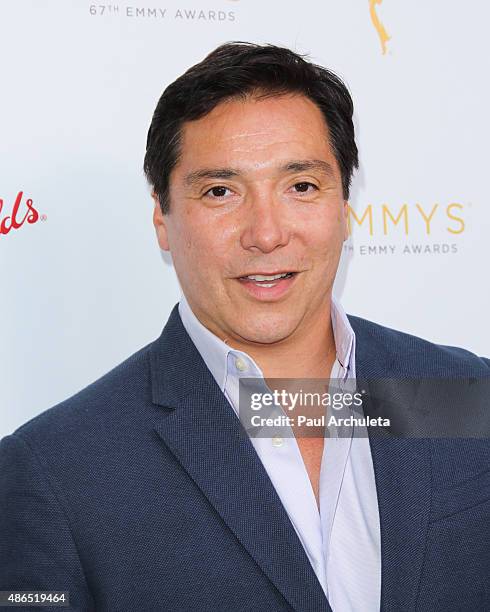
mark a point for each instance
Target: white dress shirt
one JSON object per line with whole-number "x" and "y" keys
{"x": 342, "y": 538}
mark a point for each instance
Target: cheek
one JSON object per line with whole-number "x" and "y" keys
{"x": 202, "y": 246}
{"x": 188, "y": 236}
{"x": 325, "y": 233}
{"x": 184, "y": 246}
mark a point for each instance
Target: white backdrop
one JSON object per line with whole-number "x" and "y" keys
{"x": 84, "y": 286}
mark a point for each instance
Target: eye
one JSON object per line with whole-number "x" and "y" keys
{"x": 304, "y": 187}
{"x": 217, "y": 192}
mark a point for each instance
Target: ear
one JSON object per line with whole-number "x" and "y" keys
{"x": 159, "y": 224}
{"x": 346, "y": 220}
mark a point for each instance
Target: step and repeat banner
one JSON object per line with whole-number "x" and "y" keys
{"x": 83, "y": 283}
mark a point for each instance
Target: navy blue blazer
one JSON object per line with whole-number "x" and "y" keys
{"x": 140, "y": 493}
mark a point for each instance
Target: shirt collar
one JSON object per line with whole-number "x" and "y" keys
{"x": 215, "y": 351}
{"x": 344, "y": 337}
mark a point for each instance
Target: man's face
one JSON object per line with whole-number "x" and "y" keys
{"x": 257, "y": 192}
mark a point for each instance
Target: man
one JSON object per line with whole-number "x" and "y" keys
{"x": 142, "y": 493}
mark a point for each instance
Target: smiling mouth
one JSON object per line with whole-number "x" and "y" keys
{"x": 266, "y": 280}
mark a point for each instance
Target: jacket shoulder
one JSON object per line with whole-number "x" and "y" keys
{"x": 112, "y": 398}
{"x": 408, "y": 355}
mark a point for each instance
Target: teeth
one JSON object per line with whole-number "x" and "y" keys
{"x": 260, "y": 277}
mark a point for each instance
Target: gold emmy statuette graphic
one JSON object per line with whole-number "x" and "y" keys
{"x": 380, "y": 29}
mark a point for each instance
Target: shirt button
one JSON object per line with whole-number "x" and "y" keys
{"x": 277, "y": 441}
{"x": 240, "y": 364}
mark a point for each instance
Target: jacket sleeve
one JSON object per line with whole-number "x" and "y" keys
{"x": 37, "y": 549}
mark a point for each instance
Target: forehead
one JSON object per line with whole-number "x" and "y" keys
{"x": 256, "y": 132}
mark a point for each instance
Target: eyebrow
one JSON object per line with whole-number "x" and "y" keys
{"x": 299, "y": 165}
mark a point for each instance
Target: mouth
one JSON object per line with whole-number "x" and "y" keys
{"x": 267, "y": 280}
{"x": 268, "y": 286}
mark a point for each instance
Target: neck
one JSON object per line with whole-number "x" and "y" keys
{"x": 309, "y": 354}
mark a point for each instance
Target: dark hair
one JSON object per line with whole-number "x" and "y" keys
{"x": 239, "y": 69}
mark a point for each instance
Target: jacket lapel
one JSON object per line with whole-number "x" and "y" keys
{"x": 402, "y": 467}
{"x": 206, "y": 437}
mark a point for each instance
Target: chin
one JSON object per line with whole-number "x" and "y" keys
{"x": 266, "y": 329}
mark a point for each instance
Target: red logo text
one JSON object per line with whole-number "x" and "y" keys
{"x": 21, "y": 213}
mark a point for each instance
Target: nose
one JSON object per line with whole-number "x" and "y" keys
{"x": 266, "y": 225}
